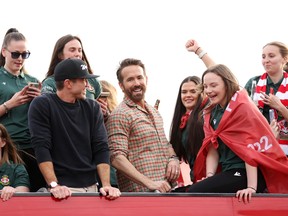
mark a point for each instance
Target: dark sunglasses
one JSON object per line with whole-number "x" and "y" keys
{"x": 16, "y": 55}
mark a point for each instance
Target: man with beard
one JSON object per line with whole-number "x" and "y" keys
{"x": 69, "y": 136}
{"x": 139, "y": 150}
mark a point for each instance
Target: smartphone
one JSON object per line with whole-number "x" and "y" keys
{"x": 104, "y": 94}
{"x": 271, "y": 115}
{"x": 156, "y": 106}
{"x": 33, "y": 84}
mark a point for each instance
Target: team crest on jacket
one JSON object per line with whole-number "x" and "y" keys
{"x": 5, "y": 180}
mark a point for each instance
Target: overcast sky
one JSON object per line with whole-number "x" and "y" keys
{"x": 232, "y": 32}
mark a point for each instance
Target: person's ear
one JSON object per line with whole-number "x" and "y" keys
{"x": 121, "y": 86}
{"x": 61, "y": 56}
{"x": 67, "y": 83}
{"x": 3, "y": 52}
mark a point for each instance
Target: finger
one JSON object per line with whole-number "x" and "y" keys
{"x": 244, "y": 198}
{"x": 24, "y": 90}
{"x": 54, "y": 193}
{"x": 4, "y": 196}
{"x": 162, "y": 189}
{"x": 100, "y": 100}
{"x": 103, "y": 192}
{"x": 8, "y": 196}
{"x": 239, "y": 196}
{"x": 23, "y": 97}
{"x": 169, "y": 170}
{"x": 249, "y": 197}
{"x": 167, "y": 187}
{"x": 170, "y": 176}
{"x": 111, "y": 193}
{"x": 68, "y": 192}
{"x": 176, "y": 175}
{"x": 24, "y": 100}
{"x": 114, "y": 194}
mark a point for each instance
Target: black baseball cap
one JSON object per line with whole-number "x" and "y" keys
{"x": 72, "y": 69}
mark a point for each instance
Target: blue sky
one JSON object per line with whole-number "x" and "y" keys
{"x": 232, "y": 32}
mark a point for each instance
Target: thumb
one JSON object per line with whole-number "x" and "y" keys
{"x": 102, "y": 191}
{"x": 24, "y": 89}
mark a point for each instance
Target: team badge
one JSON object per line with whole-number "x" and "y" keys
{"x": 5, "y": 180}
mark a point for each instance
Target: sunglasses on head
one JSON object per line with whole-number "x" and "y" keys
{"x": 16, "y": 55}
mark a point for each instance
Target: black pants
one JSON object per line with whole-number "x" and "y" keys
{"x": 36, "y": 179}
{"x": 227, "y": 182}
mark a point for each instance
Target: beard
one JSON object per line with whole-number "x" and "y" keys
{"x": 135, "y": 96}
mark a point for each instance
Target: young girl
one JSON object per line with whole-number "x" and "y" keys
{"x": 14, "y": 177}
{"x": 240, "y": 140}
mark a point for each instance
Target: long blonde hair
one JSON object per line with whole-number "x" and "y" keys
{"x": 112, "y": 98}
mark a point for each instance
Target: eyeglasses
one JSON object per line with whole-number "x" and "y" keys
{"x": 16, "y": 55}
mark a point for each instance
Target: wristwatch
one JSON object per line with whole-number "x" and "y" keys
{"x": 53, "y": 184}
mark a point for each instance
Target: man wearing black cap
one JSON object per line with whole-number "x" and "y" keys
{"x": 69, "y": 135}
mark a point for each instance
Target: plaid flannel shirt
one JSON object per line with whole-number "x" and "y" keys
{"x": 138, "y": 134}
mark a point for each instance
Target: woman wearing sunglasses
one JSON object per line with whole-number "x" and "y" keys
{"x": 16, "y": 94}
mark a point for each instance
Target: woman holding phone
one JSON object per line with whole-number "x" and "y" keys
{"x": 271, "y": 90}
{"x": 108, "y": 97}
{"x": 15, "y": 98}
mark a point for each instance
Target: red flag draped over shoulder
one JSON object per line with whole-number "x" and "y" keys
{"x": 246, "y": 132}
